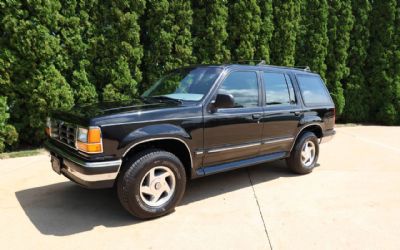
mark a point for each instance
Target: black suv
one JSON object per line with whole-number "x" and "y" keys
{"x": 193, "y": 122}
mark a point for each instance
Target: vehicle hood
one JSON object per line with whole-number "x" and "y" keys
{"x": 83, "y": 114}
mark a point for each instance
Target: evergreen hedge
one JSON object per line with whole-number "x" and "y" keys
{"x": 58, "y": 53}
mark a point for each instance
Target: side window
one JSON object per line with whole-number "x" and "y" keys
{"x": 313, "y": 90}
{"x": 242, "y": 85}
{"x": 278, "y": 89}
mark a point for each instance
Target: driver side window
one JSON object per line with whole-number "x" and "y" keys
{"x": 242, "y": 85}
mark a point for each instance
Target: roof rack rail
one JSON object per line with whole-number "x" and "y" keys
{"x": 305, "y": 68}
{"x": 255, "y": 62}
{"x": 262, "y": 62}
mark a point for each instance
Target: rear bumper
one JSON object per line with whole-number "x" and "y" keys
{"x": 327, "y": 136}
{"x": 101, "y": 174}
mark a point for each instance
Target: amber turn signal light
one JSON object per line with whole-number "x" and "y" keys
{"x": 48, "y": 127}
{"x": 48, "y": 131}
{"x": 94, "y": 135}
{"x": 91, "y": 148}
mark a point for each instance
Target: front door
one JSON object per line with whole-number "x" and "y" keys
{"x": 235, "y": 133}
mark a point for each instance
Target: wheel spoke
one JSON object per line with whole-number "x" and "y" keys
{"x": 156, "y": 196}
{"x": 166, "y": 186}
{"x": 163, "y": 176}
{"x": 152, "y": 175}
{"x": 146, "y": 190}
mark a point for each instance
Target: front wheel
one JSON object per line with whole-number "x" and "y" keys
{"x": 152, "y": 184}
{"x": 304, "y": 155}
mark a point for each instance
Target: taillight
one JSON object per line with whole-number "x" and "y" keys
{"x": 89, "y": 140}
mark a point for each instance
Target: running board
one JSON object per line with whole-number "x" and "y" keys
{"x": 241, "y": 163}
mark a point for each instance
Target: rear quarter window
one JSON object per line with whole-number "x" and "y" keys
{"x": 313, "y": 90}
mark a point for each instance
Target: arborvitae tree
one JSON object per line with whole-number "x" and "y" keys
{"x": 167, "y": 38}
{"x": 116, "y": 42}
{"x": 356, "y": 109}
{"x": 312, "y": 39}
{"x": 33, "y": 50}
{"x": 84, "y": 91}
{"x": 244, "y": 27}
{"x": 266, "y": 31}
{"x": 396, "y": 61}
{"x": 8, "y": 134}
{"x": 381, "y": 83}
{"x": 157, "y": 39}
{"x": 183, "y": 19}
{"x": 70, "y": 29}
{"x": 209, "y": 31}
{"x": 52, "y": 92}
{"x": 340, "y": 24}
{"x": 122, "y": 86}
{"x": 7, "y": 59}
{"x": 75, "y": 31}
{"x": 286, "y": 21}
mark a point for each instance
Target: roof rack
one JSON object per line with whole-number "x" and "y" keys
{"x": 305, "y": 68}
{"x": 261, "y": 62}
{"x": 255, "y": 62}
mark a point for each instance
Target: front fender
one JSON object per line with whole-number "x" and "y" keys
{"x": 158, "y": 131}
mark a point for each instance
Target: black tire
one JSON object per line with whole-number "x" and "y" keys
{"x": 294, "y": 162}
{"x": 135, "y": 169}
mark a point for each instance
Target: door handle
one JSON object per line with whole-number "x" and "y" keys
{"x": 257, "y": 116}
{"x": 297, "y": 113}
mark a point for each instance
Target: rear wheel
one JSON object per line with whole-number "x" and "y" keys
{"x": 304, "y": 155}
{"x": 152, "y": 184}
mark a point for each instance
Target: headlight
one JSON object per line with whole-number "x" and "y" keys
{"x": 82, "y": 135}
{"x": 89, "y": 140}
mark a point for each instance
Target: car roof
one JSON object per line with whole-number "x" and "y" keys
{"x": 301, "y": 70}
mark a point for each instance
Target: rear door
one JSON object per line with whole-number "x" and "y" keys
{"x": 282, "y": 112}
{"x": 235, "y": 133}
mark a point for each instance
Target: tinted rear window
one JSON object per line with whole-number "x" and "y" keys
{"x": 313, "y": 90}
{"x": 276, "y": 89}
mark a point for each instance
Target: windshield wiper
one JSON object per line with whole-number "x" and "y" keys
{"x": 166, "y": 98}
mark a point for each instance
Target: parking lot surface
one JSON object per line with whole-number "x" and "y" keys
{"x": 351, "y": 201}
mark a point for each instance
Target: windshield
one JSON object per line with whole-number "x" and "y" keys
{"x": 187, "y": 84}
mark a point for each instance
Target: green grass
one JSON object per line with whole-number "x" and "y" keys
{"x": 21, "y": 153}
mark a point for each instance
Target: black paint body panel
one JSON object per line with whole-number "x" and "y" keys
{"x": 126, "y": 124}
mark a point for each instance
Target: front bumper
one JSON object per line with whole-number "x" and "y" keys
{"x": 100, "y": 174}
{"x": 327, "y": 136}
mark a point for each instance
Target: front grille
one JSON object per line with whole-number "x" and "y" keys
{"x": 63, "y": 132}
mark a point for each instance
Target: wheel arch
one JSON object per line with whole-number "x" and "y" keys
{"x": 174, "y": 145}
{"x": 315, "y": 128}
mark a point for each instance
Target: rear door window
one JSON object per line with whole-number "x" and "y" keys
{"x": 278, "y": 89}
{"x": 313, "y": 90}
